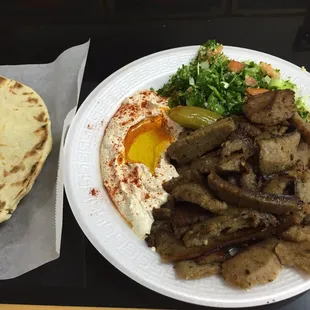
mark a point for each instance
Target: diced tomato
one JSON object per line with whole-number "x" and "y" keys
{"x": 269, "y": 70}
{"x": 235, "y": 66}
{"x": 250, "y": 81}
{"x": 256, "y": 91}
{"x": 216, "y": 51}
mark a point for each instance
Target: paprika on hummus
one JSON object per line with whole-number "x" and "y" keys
{"x": 133, "y": 158}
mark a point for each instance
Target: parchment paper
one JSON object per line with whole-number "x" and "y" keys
{"x": 32, "y": 236}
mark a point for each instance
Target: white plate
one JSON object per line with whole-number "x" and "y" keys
{"x": 102, "y": 224}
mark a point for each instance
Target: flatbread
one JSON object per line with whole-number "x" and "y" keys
{"x": 25, "y": 142}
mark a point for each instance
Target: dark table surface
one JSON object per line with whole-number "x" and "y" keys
{"x": 121, "y": 31}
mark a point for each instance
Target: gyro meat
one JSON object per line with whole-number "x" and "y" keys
{"x": 270, "y": 108}
{"x": 200, "y": 195}
{"x": 294, "y": 254}
{"x": 258, "y": 264}
{"x": 263, "y": 202}
{"x": 279, "y": 153}
{"x": 189, "y": 270}
{"x": 201, "y": 141}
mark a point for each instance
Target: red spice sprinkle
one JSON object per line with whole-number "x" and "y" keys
{"x": 94, "y": 192}
{"x": 114, "y": 191}
{"x": 145, "y": 92}
{"x": 147, "y": 196}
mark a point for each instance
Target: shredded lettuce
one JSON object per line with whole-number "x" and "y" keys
{"x": 303, "y": 108}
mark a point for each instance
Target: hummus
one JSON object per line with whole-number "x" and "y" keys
{"x": 133, "y": 159}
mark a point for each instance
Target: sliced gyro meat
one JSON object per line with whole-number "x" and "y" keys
{"x": 200, "y": 195}
{"x": 270, "y": 108}
{"x": 239, "y": 141}
{"x": 186, "y": 214}
{"x": 302, "y": 126}
{"x": 185, "y": 177}
{"x": 269, "y": 132}
{"x": 231, "y": 164}
{"x": 205, "y": 163}
{"x": 248, "y": 180}
{"x": 303, "y": 187}
{"x": 172, "y": 250}
{"x": 189, "y": 270}
{"x": 278, "y": 185}
{"x": 202, "y": 233}
{"x": 279, "y": 153}
{"x": 201, "y": 141}
{"x": 294, "y": 254}
{"x": 213, "y": 258}
{"x": 258, "y": 264}
{"x": 303, "y": 153}
{"x": 263, "y": 202}
{"x": 297, "y": 233}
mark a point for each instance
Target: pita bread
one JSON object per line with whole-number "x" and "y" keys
{"x": 25, "y": 142}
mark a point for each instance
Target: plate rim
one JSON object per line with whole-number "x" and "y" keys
{"x": 95, "y": 240}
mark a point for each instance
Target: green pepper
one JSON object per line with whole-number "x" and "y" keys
{"x": 193, "y": 117}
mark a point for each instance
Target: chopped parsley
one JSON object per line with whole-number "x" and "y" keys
{"x": 207, "y": 82}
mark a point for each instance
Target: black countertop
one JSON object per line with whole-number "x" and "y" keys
{"x": 36, "y": 31}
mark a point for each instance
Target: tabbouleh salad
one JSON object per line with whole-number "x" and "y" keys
{"x": 217, "y": 83}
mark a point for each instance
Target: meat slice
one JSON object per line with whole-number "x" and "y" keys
{"x": 278, "y": 154}
{"x": 296, "y": 172}
{"x": 250, "y": 129}
{"x": 189, "y": 270}
{"x": 200, "y": 195}
{"x": 263, "y": 202}
{"x": 201, "y": 234}
{"x": 292, "y": 219}
{"x": 278, "y": 185}
{"x": 162, "y": 214}
{"x": 233, "y": 163}
{"x": 205, "y": 163}
{"x": 173, "y": 250}
{"x": 297, "y": 233}
{"x": 270, "y": 108}
{"x": 302, "y": 126}
{"x": 243, "y": 124}
{"x": 186, "y": 177}
{"x": 216, "y": 257}
{"x": 239, "y": 141}
{"x": 233, "y": 179}
{"x": 303, "y": 153}
{"x": 258, "y": 264}
{"x": 248, "y": 180}
{"x": 185, "y": 215}
{"x": 170, "y": 248}
{"x": 294, "y": 254}
{"x": 303, "y": 187}
{"x": 269, "y": 132}
{"x": 201, "y": 141}
{"x": 306, "y": 220}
